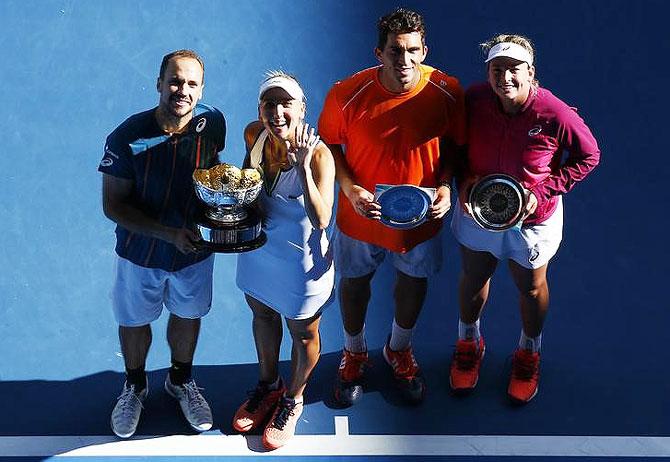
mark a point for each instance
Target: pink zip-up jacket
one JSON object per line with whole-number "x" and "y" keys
{"x": 530, "y": 145}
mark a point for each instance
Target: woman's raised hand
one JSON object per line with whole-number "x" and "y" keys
{"x": 301, "y": 151}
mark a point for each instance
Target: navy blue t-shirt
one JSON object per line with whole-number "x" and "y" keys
{"x": 161, "y": 168}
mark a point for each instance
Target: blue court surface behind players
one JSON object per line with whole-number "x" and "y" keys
{"x": 72, "y": 70}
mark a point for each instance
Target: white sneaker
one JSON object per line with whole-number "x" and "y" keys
{"x": 126, "y": 413}
{"x": 192, "y": 403}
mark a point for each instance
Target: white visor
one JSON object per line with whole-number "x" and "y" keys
{"x": 290, "y": 86}
{"x": 510, "y": 50}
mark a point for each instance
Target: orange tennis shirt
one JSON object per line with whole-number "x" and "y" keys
{"x": 392, "y": 138}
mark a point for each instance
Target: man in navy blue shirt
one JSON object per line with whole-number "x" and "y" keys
{"x": 148, "y": 192}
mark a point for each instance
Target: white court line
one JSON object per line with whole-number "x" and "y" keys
{"x": 341, "y": 425}
{"x": 340, "y": 444}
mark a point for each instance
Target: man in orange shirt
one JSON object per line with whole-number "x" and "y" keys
{"x": 400, "y": 122}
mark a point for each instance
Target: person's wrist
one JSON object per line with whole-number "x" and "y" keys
{"x": 444, "y": 184}
{"x": 348, "y": 189}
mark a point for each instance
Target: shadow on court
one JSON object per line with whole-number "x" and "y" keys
{"x": 570, "y": 402}
{"x": 83, "y": 406}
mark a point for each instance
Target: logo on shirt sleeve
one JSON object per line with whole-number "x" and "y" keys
{"x": 107, "y": 160}
{"x": 109, "y": 152}
{"x": 201, "y": 125}
{"x": 535, "y": 130}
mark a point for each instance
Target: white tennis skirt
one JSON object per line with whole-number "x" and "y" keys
{"x": 531, "y": 246}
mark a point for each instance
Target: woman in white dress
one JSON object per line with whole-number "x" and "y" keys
{"x": 292, "y": 275}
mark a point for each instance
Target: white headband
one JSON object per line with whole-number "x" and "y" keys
{"x": 290, "y": 86}
{"x": 510, "y": 50}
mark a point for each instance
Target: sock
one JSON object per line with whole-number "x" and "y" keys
{"x": 137, "y": 377}
{"x": 530, "y": 343}
{"x": 469, "y": 331}
{"x": 180, "y": 373}
{"x": 401, "y": 338}
{"x": 355, "y": 343}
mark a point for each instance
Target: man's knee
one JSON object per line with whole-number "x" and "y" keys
{"x": 356, "y": 288}
{"x": 410, "y": 285}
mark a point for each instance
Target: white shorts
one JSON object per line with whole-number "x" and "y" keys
{"x": 531, "y": 246}
{"x": 354, "y": 258}
{"x": 139, "y": 293}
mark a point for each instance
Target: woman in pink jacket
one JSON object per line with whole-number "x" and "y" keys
{"x": 517, "y": 128}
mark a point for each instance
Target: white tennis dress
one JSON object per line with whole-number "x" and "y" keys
{"x": 293, "y": 272}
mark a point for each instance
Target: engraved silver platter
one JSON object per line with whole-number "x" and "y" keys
{"x": 498, "y": 202}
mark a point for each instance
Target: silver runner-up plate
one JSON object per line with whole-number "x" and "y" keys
{"x": 403, "y": 206}
{"x": 498, "y": 202}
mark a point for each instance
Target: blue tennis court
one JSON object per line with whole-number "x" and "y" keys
{"x": 74, "y": 69}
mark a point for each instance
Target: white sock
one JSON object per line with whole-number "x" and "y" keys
{"x": 530, "y": 343}
{"x": 355, "y": 343}
{"x": 401, "y": 338}
{"x": 469, "y": 331}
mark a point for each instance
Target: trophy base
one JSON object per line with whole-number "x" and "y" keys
{"x": 237, "y": 237}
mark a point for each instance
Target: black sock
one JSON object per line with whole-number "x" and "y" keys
{"x": 180, "y": 373}
{"x": 137, "y": 377}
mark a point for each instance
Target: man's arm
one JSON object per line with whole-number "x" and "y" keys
{"x": 116, "y": 193}
{"x": 451, "y": 157}
{"x": 362, "y": 200}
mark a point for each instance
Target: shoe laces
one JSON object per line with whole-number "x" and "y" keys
{"x": 466, "y": 355}
{"x": 195, "y": 398}
{"x": 404, "y": 363}
{"x": 128, "y": 398}
{"x": 285, "y": 409}
{"x": 352, "y": 365}
{"x": 524, "y": 366}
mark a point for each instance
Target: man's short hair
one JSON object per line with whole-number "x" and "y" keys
{"x": 400, "y": 21}
{"x": 181, "y": 54}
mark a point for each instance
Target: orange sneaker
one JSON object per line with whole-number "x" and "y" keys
{"x": 406, "y": 373}
{"x": 464, "y": 370}
{"x": 350, "y": 376}
{"x": 525, "y": 375}
{"x": 258, "y": 407}
{"x": 281, "y": 427}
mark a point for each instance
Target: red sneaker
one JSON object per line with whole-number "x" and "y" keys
{"x": 406, "y": 372}
{"x": 281, "y": 427}
{"x": 257, "y": 408}
{"x": 464, "y": 371}
{"x": 525, "y": 376}
{"x": 350, "y": 377}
